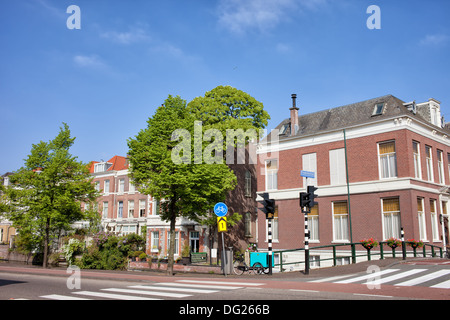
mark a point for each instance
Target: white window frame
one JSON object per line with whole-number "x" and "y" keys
{"x": 389, "y": 157}
{"x": 393, "y": 215}
{"x": 309, "y": 163}
{"x": 121, "y": 186}
{"x": 105, "y": 209}
{"x": 416, "y": 160}
{"x": 434, "y": 221}
{"x": 337, "y": 167}
{"x": 119, "y": 212}
{"x": 106, "y": 185}
{"x": 422, "y": 221}
{"x": 343, "y": 224}
{"x": 440, "y": 163}
{"x": 155, "y": 241}
{"x": 177, "y": 251}
{"x": 272, "y": 176}
{"x": 142, "y": 206}
{"x": 130, "y": 208}
{"x": 429, "y": 162}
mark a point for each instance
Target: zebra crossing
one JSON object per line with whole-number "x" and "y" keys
{"x": 396, "y": 277}
{"x": 158, "y": 291}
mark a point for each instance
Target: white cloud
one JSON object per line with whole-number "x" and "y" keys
{"x": 240, "y": 16}
{"x": 134, "y": 35}
{"x": 283, "y": 48}
{"x": 434, "y": 39}
{"x": 92, "y": 61}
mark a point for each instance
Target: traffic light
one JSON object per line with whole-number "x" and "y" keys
{"x": 304, "y": 199}
{"x": 307, "y": 198}
{"x": 269, "y": 206}
{"x": 312, "y": 196}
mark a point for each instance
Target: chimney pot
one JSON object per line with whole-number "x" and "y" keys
{"x": 294, "y": 115}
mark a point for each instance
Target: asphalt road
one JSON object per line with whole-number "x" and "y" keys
{"x": 429, "y": 280}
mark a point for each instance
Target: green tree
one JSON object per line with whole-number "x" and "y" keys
{"x": 46, "y": 193}
{"x": 225, "y": 107}
{"x": 229, "y": 109}
{"x": 184, "y": 189}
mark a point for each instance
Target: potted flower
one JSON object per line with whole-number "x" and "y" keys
{"x": 369, "y": 243}
{"x": 415, "y": 244}
{"x": 393, "y": 243}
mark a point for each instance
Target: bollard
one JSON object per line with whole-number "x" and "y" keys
{"x": 403, "y": 244}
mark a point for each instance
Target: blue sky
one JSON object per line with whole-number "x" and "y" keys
{"x": 107, "y": 78}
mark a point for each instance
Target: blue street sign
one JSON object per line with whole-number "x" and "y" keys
{"x": 307, "y": 174}
{"x": 220, "y": 209}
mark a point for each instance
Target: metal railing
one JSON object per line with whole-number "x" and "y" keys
{"x": 377, "y": 251}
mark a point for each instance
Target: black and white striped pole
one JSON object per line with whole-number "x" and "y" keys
{"x": 269, "y": 210}
{"x": 269, "y": 243}
{"x": 403, "y": 243}
{"x": 306, "y": 244}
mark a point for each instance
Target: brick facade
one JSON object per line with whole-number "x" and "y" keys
{"x": 368, "y": 188}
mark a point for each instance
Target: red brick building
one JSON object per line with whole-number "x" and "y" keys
{"x": 394, "y": 155}
{"x": 124, "y": 210}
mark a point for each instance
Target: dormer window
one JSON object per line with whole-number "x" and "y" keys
{"x": 435, "y": 113}
{"x": 102, "y": 166}
{"x": 283, "y": 129}
{"x": 378, "y": 109}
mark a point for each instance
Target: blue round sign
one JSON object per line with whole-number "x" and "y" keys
{"x": 220, "y": 209}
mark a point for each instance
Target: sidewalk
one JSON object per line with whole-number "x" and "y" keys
{"x": 150, "y": 274}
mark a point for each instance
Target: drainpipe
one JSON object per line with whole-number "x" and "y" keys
{"x": 348, "y": 189}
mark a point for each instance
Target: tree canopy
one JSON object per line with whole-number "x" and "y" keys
{"x": 45, "y": 195}
{"x": 183, "y": 189}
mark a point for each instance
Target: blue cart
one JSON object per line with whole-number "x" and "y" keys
{"x": 259, "y": 262}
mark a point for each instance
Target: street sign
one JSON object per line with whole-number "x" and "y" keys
{"x": 222, "y": 224}
{"x": 220, "y": 209}
{"x": 307, "y": 174}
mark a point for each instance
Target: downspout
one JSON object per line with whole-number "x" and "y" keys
{"x": 348, "y": 189}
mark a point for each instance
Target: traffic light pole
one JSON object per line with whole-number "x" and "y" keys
{"x": 306, "y": 242}
{"x": 269, "y": 244}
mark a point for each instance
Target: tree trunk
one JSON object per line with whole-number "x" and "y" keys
{"x": 173, "y": 218}
{"x": 46, "y": 243}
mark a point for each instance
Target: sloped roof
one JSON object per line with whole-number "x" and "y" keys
{"x": 350, "y": 115}
{"x": 117, "y": 163}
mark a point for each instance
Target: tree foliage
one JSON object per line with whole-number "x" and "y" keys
{"x": 45, "y": 195}
{"x": 187, "y": 190}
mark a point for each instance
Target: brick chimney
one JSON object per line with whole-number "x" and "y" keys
{"x": 294, "y": 116}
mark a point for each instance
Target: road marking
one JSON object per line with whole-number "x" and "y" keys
{"x": 308, "y": 291}
{"x": 61, "y": 297}
{"x": 368, "y": 276}
{"x": 150, "y": 293}
{"x": 112, "y": 296}
{"x": 424, "y": 278}
{"x": 442, "y": 285}
{"x": 332, "y": 278}
{"x": 173, "y": 289}
{"x": 177, "y": 284}
{"x": 372, "y": 295}
{"x": 398, "y": 276}
{"x": 223, "y": 283}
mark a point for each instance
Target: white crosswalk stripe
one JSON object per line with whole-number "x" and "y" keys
{"x": 396, "y": 277}
{"x": 156, "y": 291}
{"x": 424, "y": 278}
